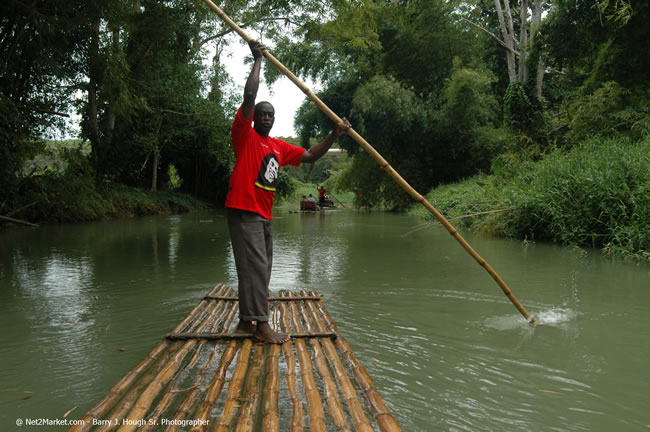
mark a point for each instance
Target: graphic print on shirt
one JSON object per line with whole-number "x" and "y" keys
{"x": 268, "y": 174}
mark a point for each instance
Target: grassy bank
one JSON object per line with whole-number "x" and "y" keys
{"x": 57, "y": 200}
{"x": 58, "y": 185}
{"x": 595, "y": 195}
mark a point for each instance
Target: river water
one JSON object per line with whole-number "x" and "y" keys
{"x": 81, "y": 305}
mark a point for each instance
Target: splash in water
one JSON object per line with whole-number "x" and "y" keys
{"x": 554, "y": 317}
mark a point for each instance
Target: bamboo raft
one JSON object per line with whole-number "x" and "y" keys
{"x": 202, "y": 376}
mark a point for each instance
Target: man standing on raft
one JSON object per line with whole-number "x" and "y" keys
{"x": 250, "y": 199}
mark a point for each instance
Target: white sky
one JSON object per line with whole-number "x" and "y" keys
{"x": 285, "y": 96}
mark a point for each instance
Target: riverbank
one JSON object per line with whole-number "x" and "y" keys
{"x": 594, "y": 195}
{"x": 56, "y": 203}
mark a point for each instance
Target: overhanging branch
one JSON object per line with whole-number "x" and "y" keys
{"x": 501, "y": 42}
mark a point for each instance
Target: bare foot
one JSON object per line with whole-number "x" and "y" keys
{"x": 265, "y": 333}
{"x": 245, "y": 327}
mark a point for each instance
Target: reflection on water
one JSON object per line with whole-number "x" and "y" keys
{"x": 174, "y": 240}
{"x": 61, "y": 281}
{"x": 51, "y": 292}
{"x": 305, "y": 253}
{"x": 81, "y": 305}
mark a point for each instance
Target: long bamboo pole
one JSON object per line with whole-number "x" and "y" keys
{"x": 126, "y": 403}
{"x": 215, "y": 387}
{"x": 382, "y": 163}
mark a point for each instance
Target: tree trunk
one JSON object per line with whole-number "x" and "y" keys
{"x": 93, "y": 71}
{"x": 156, "y": 156}
{"x": 110, "y": 112}
{"x": 541, "y": 66}
{"x": 100, "y": 139}
{"x": 541, "y": 69}
{"x": 508, "y": 38}
{"x": 154, "y": 175}
{"x": 523, "y": 41}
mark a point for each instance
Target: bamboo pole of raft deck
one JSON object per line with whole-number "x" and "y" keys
{"x": 212, "y": 320}
{"x": 383, "y": 416}
{"x": 314, "y": 402}
{"x": 189, "y": 402}
{"x": 147, "y": 397}
{"x": 229, "y": 409}
{"x": 382, "y": 163}
{"x": 331, "y": 392}
{"x": 215, "y": 387}
{"x": 127, "y": 401}
{"x": 171, "y": 394}
{"x": 98, "y": 411}
{"x": 270, "y": 416}
{"x": 169, "y": 397}
{"x": 357, "y": 413}
{"x": 297, "y": 408}
{"x": 251, "y": 397}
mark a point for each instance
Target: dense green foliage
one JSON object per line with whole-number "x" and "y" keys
{"x": 64, "y": 191}
{"x": 597, "y": 194}
{"x": 145, "y": 77}
{"x": 441, "y": 89}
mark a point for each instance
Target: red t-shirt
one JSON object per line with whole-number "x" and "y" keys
{"x": 258, "y": 159}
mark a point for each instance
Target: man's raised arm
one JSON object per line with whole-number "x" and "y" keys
{"x": 315, "y": 153}
{"x": 253, "y": 81}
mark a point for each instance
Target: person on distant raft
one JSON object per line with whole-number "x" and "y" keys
{"x": 258, "y": 158}
{"x": 321, "y": 195}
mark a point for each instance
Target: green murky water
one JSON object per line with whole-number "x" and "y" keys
{"x": 80, "y": 305}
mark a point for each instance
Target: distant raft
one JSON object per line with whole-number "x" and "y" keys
{"x": 203, "y": 376}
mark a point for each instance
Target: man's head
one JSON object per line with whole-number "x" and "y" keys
{"x": 264, "y": 118}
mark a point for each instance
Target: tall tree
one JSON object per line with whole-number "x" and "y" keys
{"x": 38, "y": 75}
{"x": 518, "y": 36}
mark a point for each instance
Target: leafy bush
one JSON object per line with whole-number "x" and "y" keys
{"x": 610, "y": 110}
{"x": 64, "y": 191}
{"x": 64, "y": 195}
{"x": 135, "y": 201}
{"x": 465, "y": 203}
{"x": 597, "y": 195}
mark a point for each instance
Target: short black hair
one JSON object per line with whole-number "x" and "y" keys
{"x": 257, "y": 105}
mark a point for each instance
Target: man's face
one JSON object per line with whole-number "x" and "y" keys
{"x": 264, "y": 118}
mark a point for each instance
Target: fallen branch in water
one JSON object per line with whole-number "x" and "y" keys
{"x": 11, "y": 213}
{"x": 18, "y": 221}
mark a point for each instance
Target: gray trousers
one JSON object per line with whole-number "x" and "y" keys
{"x": 252, "y": 246}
